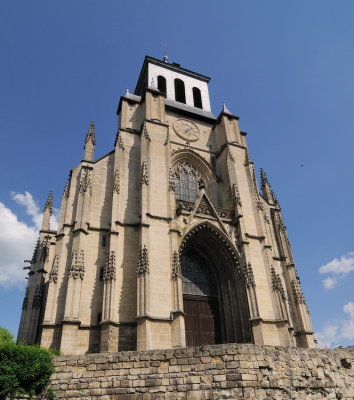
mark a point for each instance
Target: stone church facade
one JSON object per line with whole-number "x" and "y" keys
{"x": 166, "y": 241}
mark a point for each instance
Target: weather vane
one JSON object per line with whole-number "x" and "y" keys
{"x": 165, "y": 46}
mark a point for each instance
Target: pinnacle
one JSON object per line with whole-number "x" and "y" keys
{"x": 225, "y": 109}
{"x": 90, "y": 137}
{"x": 264, "y": 179}
{"x": 49, "y": 203}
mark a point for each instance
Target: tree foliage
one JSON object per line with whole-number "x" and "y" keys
{"x": 6, "y": 335}
{"x": 23, "y": 369}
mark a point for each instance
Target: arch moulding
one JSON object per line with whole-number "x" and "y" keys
{"x": 196, "y": 161}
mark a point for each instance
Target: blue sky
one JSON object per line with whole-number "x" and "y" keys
{"x": 286, "y": 68}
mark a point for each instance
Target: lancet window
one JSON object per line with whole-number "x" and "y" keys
{"x": 185, "y": 182}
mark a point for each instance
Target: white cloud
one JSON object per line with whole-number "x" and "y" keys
{"x": 334, "y": 334}
{"x": 349, "y": 309}
{"x": 338, "y": 268}
{"x": 32, "y": 207}
{"x": 328, "y": 336}
{"x": 17, "y": 239}
{"x": 17, "y": 242}
{"x": 330, "y": 283}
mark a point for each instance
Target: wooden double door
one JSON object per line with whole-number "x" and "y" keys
{"x": 201, "y": 320}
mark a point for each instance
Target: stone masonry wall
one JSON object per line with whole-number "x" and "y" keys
{"x": 232, "y": 371}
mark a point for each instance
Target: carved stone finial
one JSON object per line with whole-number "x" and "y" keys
{"x": 109, "y": 270}
{"x": 176, "y": 266}
{"x": 53, "y": 275}
{"x": 277, "y": 284}
{"x": 144, "y": 174}
{"x": 90, "y": 137}
{"x": 116, "y": 182}
{"x": 248, "y": 275}
{"x": 77, "y": 266}
{"x": 297, "y": 292}
{"x": 45, "y": 248}
{"x": 143, "y": 261}
{"x": 85, "y": 182}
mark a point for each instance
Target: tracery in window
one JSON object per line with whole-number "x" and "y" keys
{"x": 197, "y": 278}
{"x": 185, "y": 182}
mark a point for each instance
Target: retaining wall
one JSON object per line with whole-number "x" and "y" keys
{"x": 233, "y": 371}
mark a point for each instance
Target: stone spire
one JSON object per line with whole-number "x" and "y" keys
{"x": 266, "y": 188}
{"x": 47, "y": 212}
{"x": 90, "y": 142}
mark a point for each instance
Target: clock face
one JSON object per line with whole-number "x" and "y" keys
{"x": 187, "y": 130}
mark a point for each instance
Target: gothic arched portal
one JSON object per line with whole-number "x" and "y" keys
{"x": 214, "y": 295}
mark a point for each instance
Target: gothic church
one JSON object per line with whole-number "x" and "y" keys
{"x": 166, "y": 241}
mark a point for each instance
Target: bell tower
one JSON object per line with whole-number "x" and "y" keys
{"x": 167, "y": 241}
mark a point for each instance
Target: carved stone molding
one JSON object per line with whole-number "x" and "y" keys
{"x": 53, "y": 275}
{"x": 176, "y": 266}
{"x": 247, "y": 159}
{"x": 116, "y": 182}
{"x": 143, "y": 261}
{"x": 168, "y": 140}
{"x": 77, "y": 266}
{"x": 229, "y": 154}
{"x": 204, "y": 209}
{"x": 35, "y": 253}
{"x": 120, "y": 142}
{"x": 297, "y": 292}
{"x": 145, "y": 133}
{"x": 66, "y": 191}
{"x": 236, "y": 200}
{"x": 144, "y": 174}
{"x": 85, "y": 182}
{"x": 279, "y": 221}
{"x": 171, "y": 185}
{"x": 109, "y": 270}
{"x": 248, "y": 275}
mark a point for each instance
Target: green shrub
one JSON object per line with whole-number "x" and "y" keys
{"x": 23, "y": 369}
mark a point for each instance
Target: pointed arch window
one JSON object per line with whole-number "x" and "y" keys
{"x": 185, "y": 182}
